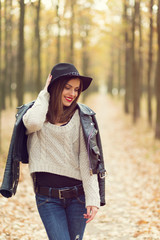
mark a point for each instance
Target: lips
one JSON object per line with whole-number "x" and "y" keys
{"x": 69, "y": 99}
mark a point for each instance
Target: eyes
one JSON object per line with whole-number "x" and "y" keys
{"x": 67, "y": 87}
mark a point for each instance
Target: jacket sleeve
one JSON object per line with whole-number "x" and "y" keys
{"x": 90, "y": 182}
{"x": 17, "y": 152}
{"x": 36, "y": 115}
{"x": 9, "y": 183}
{"x": 101, "y": 167}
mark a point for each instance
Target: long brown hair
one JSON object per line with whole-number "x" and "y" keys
{"x": 57, "y": 113}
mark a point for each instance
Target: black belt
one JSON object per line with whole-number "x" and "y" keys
{"x": 60, "y": 193}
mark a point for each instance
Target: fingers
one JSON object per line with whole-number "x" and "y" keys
{"x": 48, "y": 81}
{"x": 91, "y": 212}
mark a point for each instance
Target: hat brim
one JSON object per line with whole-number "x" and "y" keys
{"x": 85, "y": 80}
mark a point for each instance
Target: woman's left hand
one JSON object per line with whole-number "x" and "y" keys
{"x": 91, "y": 212}
{"x": 48, "y": 81}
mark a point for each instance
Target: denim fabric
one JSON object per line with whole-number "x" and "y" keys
{"x": 63, "y": 218}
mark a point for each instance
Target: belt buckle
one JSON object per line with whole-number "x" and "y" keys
{"x": 60, "y": 194}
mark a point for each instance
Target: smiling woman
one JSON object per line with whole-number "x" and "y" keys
{"x": 68, "y": 179}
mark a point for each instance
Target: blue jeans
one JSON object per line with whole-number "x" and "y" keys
{"x": 62, "y": 218}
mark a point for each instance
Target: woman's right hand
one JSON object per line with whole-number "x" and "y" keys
{"x": 48, "y": 81}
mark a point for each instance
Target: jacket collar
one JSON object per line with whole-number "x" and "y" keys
{"x": 85, "y": 110}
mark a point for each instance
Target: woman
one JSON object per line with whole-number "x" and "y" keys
{"x": 66, "y": 192}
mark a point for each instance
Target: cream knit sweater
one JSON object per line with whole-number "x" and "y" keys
{"x": 59, "y": 149}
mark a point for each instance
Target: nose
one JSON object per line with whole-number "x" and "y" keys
{"x": 72, "y": 92}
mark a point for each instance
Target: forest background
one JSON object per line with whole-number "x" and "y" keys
{"x": 115, "y": 42}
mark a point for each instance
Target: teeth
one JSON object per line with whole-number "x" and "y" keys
{"x": 69, "y": 99}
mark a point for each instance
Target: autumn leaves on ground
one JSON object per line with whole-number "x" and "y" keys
{"x": 132, "y": 159}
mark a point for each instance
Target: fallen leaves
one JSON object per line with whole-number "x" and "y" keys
{"x": 142, "y": 222}
{"x": 138, "y": 233}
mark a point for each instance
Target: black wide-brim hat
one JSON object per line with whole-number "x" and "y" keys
{"x": 62, "y": 70}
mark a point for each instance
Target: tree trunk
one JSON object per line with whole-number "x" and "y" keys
{"x": 58, "y": 35}
{"x": 72, "y": 31}
{"x": 150, "y": 55}
{"x": 140, "y": 56}
{"x": 85, "y": 59}
{"x": 157, "y": 80}
{"x": 32, "y": 73}
{"x": 38, "y": 43}
{"x": 127, "y": 58}
{"x": 10, "y": 60}
{"x": 119, "y": 70}
{"x": 5, "y": 77}
{"x": 20, "y": 62}
{"x": 135, "y": 71}
{"x": 0, "y": 78}
{"x": 111, "y": 73}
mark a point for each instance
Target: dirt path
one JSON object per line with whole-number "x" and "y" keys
{"x": 132, "y": 190}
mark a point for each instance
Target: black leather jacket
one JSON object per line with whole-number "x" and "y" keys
{"x": 18, "y": 150}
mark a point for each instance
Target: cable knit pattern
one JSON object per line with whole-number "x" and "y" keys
{"x": 59, "y": 149}
{"x": 36, "y": 116}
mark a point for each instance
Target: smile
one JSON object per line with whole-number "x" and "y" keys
{"x": 69, "y": 99}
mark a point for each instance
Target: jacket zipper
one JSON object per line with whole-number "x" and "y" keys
{"x": 90, "y": 168}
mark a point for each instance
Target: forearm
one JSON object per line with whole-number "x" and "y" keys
{"x": 36, "y": 115}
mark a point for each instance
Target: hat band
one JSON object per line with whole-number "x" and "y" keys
{"x": 68, "y": 74}
{"x": 73, "y": 73}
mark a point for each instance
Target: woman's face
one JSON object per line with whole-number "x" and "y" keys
{"x": 70, "y": 91}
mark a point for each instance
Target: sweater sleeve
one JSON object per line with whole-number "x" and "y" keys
{"x": 34, "y": 118}
{"x": 90, "y": 182}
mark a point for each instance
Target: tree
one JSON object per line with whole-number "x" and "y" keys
{"x": 58, "y": 57}
{"x": 135, "y": 66}
{"x": 119, "y": 69}
{"x": 38, "y": 47}
{"x": 111, "y": 74}
{"x": 10, "y": 55}
{"x": 127, "y": 57}
{"x": 157, "y": 78}
{"x": 140, "y": 58}
{"x": 150, "y": 55}
{"x": 6, "y": 62}
{"x": 20, "y": 60}
{"x": 0, "y": 76}
{"x": 72, "y": 22}
{"x": 85, "y": 28}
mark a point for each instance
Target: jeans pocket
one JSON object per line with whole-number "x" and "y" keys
{"x": 81, "y": 199}
{"x": 41, "y": 200}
